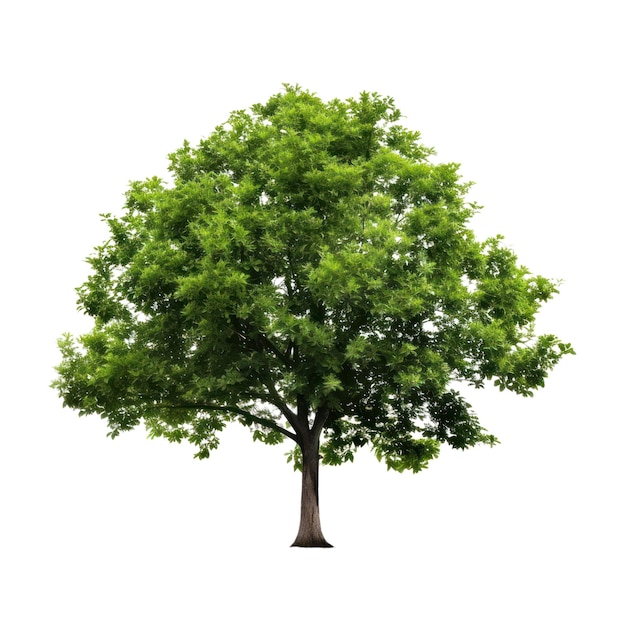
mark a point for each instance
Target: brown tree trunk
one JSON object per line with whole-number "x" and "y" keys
{"x": 310, "y": 532}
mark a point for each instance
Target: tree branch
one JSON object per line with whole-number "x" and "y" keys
{"x": 259, "y": 340}
{"x": 232, "y": 409}
{"x": 273, "y": 397}
{"x": 282, "y": 356}
{"x": 321, "y": 415}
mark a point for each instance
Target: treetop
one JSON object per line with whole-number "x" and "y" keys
{"x": 309, "y": 271}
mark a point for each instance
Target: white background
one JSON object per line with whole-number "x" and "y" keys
{"x": 528, "y": 97}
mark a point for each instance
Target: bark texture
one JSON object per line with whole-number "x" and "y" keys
{"x": 310, "y": 531}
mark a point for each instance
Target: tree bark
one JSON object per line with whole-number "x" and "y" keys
{"x": 310, "y": 532}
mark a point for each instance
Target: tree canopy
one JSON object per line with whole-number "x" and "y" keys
{"x": 310, "y": 273}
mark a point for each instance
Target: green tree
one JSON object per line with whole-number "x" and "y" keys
{"x": 310, "y": 274}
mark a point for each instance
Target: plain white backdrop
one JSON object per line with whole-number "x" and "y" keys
{"x": 528, "y": 97}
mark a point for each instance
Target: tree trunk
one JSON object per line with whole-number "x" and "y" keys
{"x": 310, "y": 532}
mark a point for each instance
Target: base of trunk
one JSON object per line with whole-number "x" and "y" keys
{"x": 310, "y": 531}
{"x": 299, "y": 543}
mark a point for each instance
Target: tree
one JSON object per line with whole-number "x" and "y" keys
{"x": 310, "y": 274}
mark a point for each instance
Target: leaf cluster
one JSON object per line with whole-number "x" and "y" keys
{"x": 309, "y": 272}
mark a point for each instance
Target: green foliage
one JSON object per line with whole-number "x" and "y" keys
{"x": 309, "y": 272}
